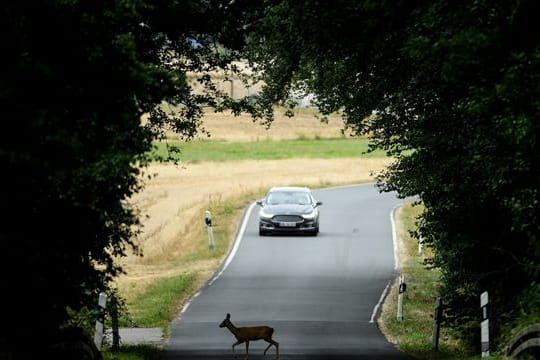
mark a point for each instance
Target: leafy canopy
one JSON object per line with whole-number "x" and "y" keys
{"x": 76, "y": 80}
{"x": 451, "y": 90}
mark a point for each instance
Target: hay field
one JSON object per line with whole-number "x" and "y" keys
{"x": 305, "y": 124}
{"x": 175, "y": 199}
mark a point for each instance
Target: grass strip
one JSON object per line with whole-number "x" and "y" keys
{"x": 264, "y": 150}
{"x": 160, "y": 302}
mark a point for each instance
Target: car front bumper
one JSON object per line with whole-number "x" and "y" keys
{"x": 303, "y": 226}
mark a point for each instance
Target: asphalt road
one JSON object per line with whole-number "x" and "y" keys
{"x": 320, "y": 294}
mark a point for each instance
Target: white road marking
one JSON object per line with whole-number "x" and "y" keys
{"x": 237, "y": 242}
{"x": 381, "y": 299}
{"x": 396, "y": 262}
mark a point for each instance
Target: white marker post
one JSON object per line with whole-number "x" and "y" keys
{"x": 100, "y": 318}
{"x": 420, "y": 245}
{"x": 402, "y": 289}
{"x": 208, "y": 222}
{"x": 484, "y": 325}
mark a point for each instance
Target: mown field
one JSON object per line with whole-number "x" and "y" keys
{"x": 268, "y": 149}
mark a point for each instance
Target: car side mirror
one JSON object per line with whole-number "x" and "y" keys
{"x": 260, "y": 202}
{"x": 319, "y": 203}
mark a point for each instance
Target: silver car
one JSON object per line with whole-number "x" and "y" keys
{"x": 289, "y": 209}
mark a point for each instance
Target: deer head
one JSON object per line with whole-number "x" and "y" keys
{"x": 225, "y": 321}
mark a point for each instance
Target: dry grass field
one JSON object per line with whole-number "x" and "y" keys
{"x": 175, "y": 199}
{"x": 304, "y": 124}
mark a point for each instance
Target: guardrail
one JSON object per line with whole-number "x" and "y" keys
{"x": 526, "y": 339}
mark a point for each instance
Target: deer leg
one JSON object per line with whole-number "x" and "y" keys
{"x": 270, "y": 343}
{"x": 268, "y": 347}
{"x": 236, "y": 343}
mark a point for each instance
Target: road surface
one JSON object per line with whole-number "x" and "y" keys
{"x": 320, "y": 294}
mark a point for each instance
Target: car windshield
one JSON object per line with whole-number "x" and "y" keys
{"x": 288, "y": 197}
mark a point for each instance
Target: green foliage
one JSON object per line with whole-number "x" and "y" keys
{"x": 454, "y": 89}
{"x": 528, "y": 313}
{"x": 77, "y": 76}
{"x": 450, "y": 89}
{"x": 117, "y": 312}
{"x": 84, "y": 318}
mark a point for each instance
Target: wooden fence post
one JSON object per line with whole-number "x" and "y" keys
{"x": 114, "y": 324}
{"x": 437, "y": 318}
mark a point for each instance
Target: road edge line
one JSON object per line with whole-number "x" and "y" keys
{"x": 396, "y": 262}
{"x": 236, "y": 245}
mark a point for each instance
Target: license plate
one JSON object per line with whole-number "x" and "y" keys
{"x": 287, "y": 224}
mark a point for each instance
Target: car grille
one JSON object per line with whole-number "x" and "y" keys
{"x": 287, "y": 218}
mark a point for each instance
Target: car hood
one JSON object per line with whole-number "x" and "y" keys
{"x": 288, "y": 209}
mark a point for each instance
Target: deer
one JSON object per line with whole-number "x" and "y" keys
{"x": 250, "y": 333}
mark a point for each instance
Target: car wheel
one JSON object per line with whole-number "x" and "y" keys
{"x": 262, "y": 232}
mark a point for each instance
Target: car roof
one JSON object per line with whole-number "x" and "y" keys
{"x": 289, "y": 188}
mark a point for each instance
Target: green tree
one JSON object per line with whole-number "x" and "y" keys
{"x": 451, "y": 90}
{"x": 76, "y": 79}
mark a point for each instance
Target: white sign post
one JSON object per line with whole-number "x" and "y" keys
{"x": 100, "y": 314}
{"x": 484, "y": 326}
{"x": 208, "y": 222}
{"x": 402, "y": 289}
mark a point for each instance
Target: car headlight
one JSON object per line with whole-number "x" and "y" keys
{"x": 310, "y": 216}
{"x": 265, "y": 215}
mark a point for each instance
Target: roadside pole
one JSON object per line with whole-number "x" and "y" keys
{"x": 437, "y": 318}
{"x": 484, "y": 325}
{"x": 208, "y": 222}
{"x": 100, "y": 318}
{"x": 420, "y": 245}
{"x": 402, "y": 289}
